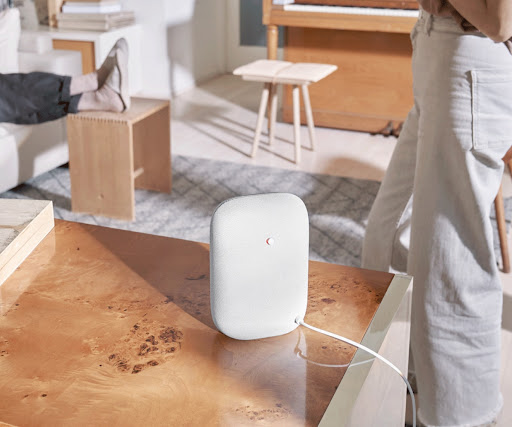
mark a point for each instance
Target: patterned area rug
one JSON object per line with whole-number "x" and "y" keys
{"x": 338, "y": 207}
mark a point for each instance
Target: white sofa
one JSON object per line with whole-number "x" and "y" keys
{"x": 30, "y": 150}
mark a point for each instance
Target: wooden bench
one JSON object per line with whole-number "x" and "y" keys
{"x": 111, "y": 154}
{"x": 272, "y": 73}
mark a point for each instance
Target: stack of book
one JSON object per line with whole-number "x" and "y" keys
{"x": 99, "y": 15}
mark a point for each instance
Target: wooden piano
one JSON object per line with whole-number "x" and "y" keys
{"x": 369, "y": 42}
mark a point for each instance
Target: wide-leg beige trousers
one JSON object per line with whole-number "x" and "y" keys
{"x": 449, "y": 157}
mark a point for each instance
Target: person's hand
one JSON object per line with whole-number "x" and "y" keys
{"x": 508, "y": 156}
{"x": 491, "y": 17}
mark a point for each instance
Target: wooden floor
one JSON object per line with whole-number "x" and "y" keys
{"x": 217, "y": 121}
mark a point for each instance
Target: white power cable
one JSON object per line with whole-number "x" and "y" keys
{"x": 327, "y": 365}
{"x": 300, "y": 321}
{"x": 299, "y": 353}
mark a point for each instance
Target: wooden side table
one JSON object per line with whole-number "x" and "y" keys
{"x": 111, "y": 154}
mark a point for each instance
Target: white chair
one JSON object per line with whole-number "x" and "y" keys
{"x": 272, "y": 73}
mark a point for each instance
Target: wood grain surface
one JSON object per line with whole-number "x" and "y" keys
{"x": 152, "y": 150}
{"x": 372, "y": 85}
{"x": 111, "y": 154}
{"x": 101, "y": 167}
{"x": 388, "y": 4}
{"x": 23, "y": 224}
{"x": 372, "y": 89}
{"x": 110, "y": 327}
{"x": 339, "y": 21}
{"x": 140, "y": 109}
{"x": 85, "y": 48}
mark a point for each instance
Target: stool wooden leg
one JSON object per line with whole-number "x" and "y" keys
{"x": 272, "y": 90}
{"x": 273, "y": 113}
{"x": 309, "y": 116}
{"x": 502, "y": 230}
{"x": 261, "y": 115}
{"x": 296, "y": 122}
{"x": 152, "y": 151}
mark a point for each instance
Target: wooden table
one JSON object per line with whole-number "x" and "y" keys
{"x": 108, "y": 327}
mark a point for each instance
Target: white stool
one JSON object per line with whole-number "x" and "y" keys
{"x": 272, "y": 72}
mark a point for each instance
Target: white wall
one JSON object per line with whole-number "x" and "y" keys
{"x": 239, "y": 55}
{"x": 183, "y": 43}
{"x": 186, "y": 42}
{"x": 154, "y": 61}
{"x": 196, "y": 40}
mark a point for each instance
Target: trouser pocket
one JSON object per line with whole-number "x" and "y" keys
{"x": 491, "y": 100}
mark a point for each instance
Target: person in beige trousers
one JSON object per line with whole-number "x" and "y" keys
{"x": 431, "y": 217}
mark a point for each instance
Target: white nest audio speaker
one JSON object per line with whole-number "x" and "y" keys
{"x": 259, "y": 251}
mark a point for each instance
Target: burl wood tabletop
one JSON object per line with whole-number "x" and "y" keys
{"x": 109, "y": 327}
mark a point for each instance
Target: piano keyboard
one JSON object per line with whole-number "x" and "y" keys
{"x": 349, "y": 10}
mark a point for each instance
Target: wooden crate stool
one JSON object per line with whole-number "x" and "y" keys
{"x": 272, "y": 73}
{"x": 111, "y": 154}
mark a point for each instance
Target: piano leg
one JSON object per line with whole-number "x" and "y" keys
{"x": 272, "y": 42}
{"x": 272, "y": 39}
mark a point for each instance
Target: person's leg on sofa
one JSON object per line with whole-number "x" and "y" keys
{"x": 37, "y": 97}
